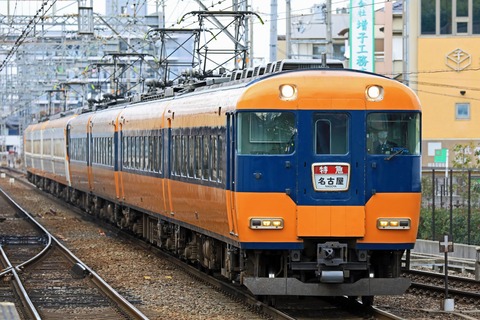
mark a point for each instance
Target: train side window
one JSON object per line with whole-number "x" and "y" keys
{"x": 75, "y": 149}
{"x": 198, "y": 157}
{"x": 153, "y": 144}
{"x": 153, "y": 153}
{"x": 106, "y": 153}
{"x": 173, "y": 155}
{"x": 99, "y": 150}
{"x": 94, "y": 150}
{"x": 184, "y": 159}
{"x": 177, "y": 155}
{"x": 214, "y": 158}
{"x": 142, "y": 153}
{"x": 206, "y": 158}
{"x": 150, "y": 153}
{"x": 36, "y": 146}
{"x": 128, "y": 146}
{"x": 146, "y": 154}
{"x": 331, "y": 133}
{"x": 159, "y": 154}
{"x": 46, "y": 146}
{"x": 110, "y": 151}
{"x": 102, "y": 150}
{"x": 125, "y": 151}
{"x": 58, "y": 150}
{"x": 220, "y": 158}
{"x": 98, "y": 156}
{"x": 191, "y": 153}
{"x": 131, "y": 152}
{"x": 138, "y": 151}
{"x": 266, "y": 133}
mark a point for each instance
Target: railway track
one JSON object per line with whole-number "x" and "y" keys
{"x": 459, "y": 288}
{"x": 291, "y": 308}
{"x": 49, "y": 281}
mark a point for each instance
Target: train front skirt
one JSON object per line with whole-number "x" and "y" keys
{"x": 294, "y": 287}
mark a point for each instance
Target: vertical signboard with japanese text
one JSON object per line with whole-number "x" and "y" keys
{"x": 362, "y": 40}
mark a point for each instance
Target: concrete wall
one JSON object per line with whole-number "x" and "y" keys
{"x": 460, "y": 251}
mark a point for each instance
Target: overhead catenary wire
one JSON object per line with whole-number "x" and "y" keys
{"x": 223, "y": 5}
{"x": 26, "y": 31}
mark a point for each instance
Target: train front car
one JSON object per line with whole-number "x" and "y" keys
{"x": 321, "y": 209}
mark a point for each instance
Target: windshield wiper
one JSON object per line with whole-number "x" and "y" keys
{"x": 394, "y": 154}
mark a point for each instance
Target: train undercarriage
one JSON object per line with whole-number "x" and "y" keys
{"x": 325, "y": 267}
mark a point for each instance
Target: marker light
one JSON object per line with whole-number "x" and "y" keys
{"x": 288, "y": 92}
{"x": 374, "y": 93}
{"x": 266, "y": 223}
{"x": 393, "y": 223}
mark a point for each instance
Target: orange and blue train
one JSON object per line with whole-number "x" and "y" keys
{"x": 272, "y": 179}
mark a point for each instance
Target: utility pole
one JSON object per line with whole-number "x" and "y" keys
{"x": 328, "y": 23}
{"x": 288, "y": 29}
{"x": 273, "y": 30}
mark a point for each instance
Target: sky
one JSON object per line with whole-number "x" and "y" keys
{"x": 175, "y": 9}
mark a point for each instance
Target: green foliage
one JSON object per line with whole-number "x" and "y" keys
{"x": 442, "y": 224}
{"x": 465, "y": 157}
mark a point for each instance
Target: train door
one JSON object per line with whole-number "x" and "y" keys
{"x": 331, "y": 173}
{"x": 118, "y": 148}
{"x": 68, "y": 175}
{"x": 90, "y": 150}
{"x": 167, "y": 147}
{"x": 230, "y": 177}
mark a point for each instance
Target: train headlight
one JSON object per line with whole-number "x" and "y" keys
{"x": 393, "y": 223}
{"x": 288, "y": 92}
{"x": 374, "y": 93}
{"x": 266, "y": 223}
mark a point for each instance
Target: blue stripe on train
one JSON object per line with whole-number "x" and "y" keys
{"x": 299, "y": 246}
{"x": 272, "y": 245}
{"x": 385, "y": 246}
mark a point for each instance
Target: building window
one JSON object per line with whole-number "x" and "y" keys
{"x": 428, "y": 16}
{"x": 462, "y": 111}
{"x": 318, "y": 49}
{"x": 450, "y": 17}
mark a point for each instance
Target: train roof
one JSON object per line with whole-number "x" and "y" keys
{"x": 192, "y": 82}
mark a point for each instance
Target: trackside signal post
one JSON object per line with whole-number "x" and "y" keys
{"x": 446, "y": 246}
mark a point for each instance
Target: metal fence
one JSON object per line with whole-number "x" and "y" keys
{"x": 450, "y": 205}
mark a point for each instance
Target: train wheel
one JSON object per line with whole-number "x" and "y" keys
{"x": 367, "y": 301}
{"x": 268, "y": 300}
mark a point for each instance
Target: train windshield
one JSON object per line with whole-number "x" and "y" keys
{"x": 266, "y": 133}
{"x": 393, "y": 133}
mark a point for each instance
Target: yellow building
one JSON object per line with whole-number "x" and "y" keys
{"x": 443, "y": 67}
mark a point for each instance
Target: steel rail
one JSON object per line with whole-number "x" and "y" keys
{"x": 37, "y": 225}
{"x": 103, "y": 285}
{"x": 228, "y": 289}
{"x": 111, "y": 293}
{"x": 24, "y": 297}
